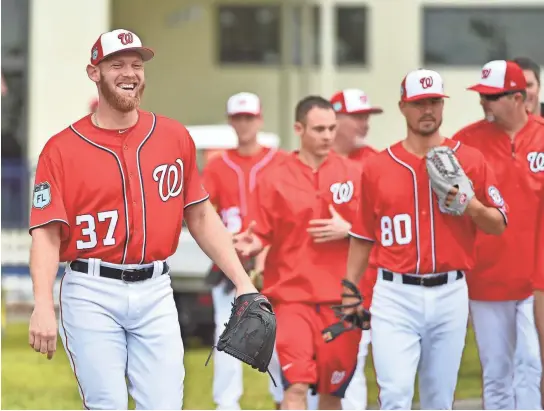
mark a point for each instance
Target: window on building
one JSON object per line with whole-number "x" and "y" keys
{"x": 351, "y": 35}
{"x": 15, "y": 175}
{"x": 465, "y": 36}
{"x": 249, "y": 34}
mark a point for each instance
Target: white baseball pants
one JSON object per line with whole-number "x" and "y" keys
{"x": 228, "y": 374}
{"x": 509, "y": 352}
{"x": 356, "y": 393}
{"x": 418, "y": 329}
{"x": 228, "y": 384}
{"x": 111, "y": 329}
{"x": 227, "y": 370}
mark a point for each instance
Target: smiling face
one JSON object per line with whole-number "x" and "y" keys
{"x": 120, "y": 80}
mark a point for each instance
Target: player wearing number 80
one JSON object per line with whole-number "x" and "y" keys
{"x": 111, "y": 192}
{"x": 424, "y": 240}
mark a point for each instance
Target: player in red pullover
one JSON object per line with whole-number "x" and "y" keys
{"x": 500, "y": 285}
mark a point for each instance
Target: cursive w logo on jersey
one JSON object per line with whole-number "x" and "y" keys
{"x": 342, "y": 192}
{"x": 170, "y": 179}
{"x": 536, "y": 161}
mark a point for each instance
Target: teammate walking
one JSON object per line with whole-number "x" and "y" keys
{"x": 111, "y": 192}
{"x": 531, "y": 71}
{"x": 353, "y": 110}
{"x": 420, "y": 303}
{"x": 303, "y": 213}
{"x": 500, "y": 283}
{"x": 230, "y": 179}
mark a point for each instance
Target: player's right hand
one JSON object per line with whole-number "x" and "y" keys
{"x": 42, "y": 332}
{"x": 247, "y": 243}
{"x": 349, "y": 301}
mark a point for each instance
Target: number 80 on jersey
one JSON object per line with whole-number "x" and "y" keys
{"x": 396, "y": 230}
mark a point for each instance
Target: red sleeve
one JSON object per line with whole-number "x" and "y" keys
{"x": 488, "y": 192}
{"x": 194, "y": 191}
{"x": 47, "y": 199}
{"x": 263, "y": 206}
{"x": 363, "y": 225}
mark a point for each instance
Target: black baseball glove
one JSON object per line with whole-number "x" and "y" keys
{"x": 360, "y": 318}
{"x": 250, "y": 334}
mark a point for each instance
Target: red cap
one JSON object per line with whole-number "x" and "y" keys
{"x": 353, "y": 101}
{"x": 116, "y": 41}
{"x": 500, "y": 76}
{"x": 421, "y": 84}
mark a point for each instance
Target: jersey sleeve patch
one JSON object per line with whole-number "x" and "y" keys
{"x": 42, "y": 195}
{"x": 495, "y": 196}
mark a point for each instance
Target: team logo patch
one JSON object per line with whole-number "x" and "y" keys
{"x": 337, "y": 106}
{"x": 170, "y": 179}
{"x": 42, "y": 195}
{"x": 495, "y": 196}
{"x": 342, "y": 192}
{"x": 95, "y": 53}
{"x": 536, "y": 161}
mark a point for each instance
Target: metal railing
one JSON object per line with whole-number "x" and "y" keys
{"x": 15, "y": 193}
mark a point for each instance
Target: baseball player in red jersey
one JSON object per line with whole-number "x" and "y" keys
{"x": 353, "y": 111}
{"x": 303, "y": 214}
{"x": 111, "y": 192}
{"x": 230, "y": 179}
{"x": 538, "y": 286}
{"x": 420, "y": 301}
{"x": 500, "y": 283}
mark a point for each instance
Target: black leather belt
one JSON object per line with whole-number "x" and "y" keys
{"x": 424, "y": 281}
{"x": 127, "y": 275}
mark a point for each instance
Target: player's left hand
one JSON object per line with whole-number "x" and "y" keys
{"x": 42, "y": 331}
{"x": 330, "y": 229}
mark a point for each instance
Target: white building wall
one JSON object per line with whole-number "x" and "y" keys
{"x": 62, "y": 34}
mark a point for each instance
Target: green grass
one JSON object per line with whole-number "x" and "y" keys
{"x": 29, "y": 381}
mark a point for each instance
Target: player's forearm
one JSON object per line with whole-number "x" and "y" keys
{"x": 358, "y": 256}
{"x": 488, "y": 219}
{"x": 213, "y": 238}
{"x": 44, "y": 262}
{"x": 539, "y": 319}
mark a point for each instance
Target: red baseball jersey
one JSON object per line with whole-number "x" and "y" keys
{"x": 538, "y": 283}
{"x": 297, "y": 268}
{"x": 505, "y": 264}
{"x": 120, "y": 196}
{"x": 400, "y": 212}
{"x": 231, "y": 178}
{"x": 363, "y": 153}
